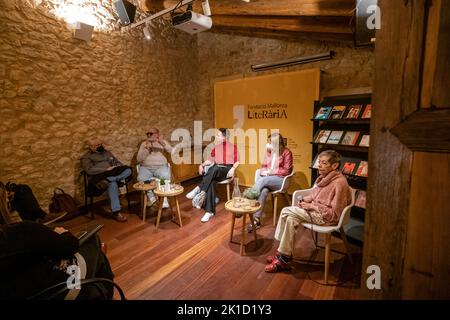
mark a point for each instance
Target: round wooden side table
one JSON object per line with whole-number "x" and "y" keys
{"x": 243, "y": 210}
{"x": 144, "y": 187}
{"x": 175, "y": 190}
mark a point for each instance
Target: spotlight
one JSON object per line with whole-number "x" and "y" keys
{"x": 206, "y": 8}
{"x": 147, "y": 34}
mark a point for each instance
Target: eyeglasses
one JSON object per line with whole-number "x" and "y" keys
{"x": 151, "y": 133}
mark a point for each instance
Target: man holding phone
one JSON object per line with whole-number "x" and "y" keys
{"x": 153, "y": 163}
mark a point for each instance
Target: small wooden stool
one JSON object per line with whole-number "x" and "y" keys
{"x": 144, "y": 187}
{"x": 244, "y": 211}
{"x": 175, "y": 190}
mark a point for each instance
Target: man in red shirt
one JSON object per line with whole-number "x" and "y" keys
{"x": 220, "y": 165}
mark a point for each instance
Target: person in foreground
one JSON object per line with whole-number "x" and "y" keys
{"x": 104, "y": 171}
{"x": 276, "y": 165}
{"x": 220, "y": 165}
{"x": 329, "y": 196}
{"x": 34, "y": 257}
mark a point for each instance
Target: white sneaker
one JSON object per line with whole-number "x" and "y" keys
{"x": 165, "y": 203}
{"x": 151, "y": 201}
{"x": 207, "y": 216}
{"x": 217, "y": 200}
{"x": 193, "y": 193}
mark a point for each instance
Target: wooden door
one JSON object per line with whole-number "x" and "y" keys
{"x": 407, "y": 230}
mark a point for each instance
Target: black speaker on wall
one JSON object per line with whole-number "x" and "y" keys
{"x": 126, "y": 11}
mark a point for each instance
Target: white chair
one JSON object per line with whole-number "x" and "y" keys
{"x": 282, "y": 191}
{"x": 228, "y": 182}
{"x": 327, "y": 230}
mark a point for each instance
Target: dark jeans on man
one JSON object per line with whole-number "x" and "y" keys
{"x": 215, "y": 174}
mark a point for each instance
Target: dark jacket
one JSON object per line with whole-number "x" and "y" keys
{"x": 29, "y": 253}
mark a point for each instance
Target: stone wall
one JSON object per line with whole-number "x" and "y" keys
{"x": 223, "y": 55}
{"x": 57, "y": 91}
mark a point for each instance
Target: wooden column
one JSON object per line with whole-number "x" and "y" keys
{"x": 407, "y": 189}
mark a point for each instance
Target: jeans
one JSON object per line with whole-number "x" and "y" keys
{"x": 146, "y": 173}
{"x": 264, "y": 185}
{"x": 113, "y": 189}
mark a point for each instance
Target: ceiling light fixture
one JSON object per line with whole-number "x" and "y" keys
{"x": 293, "y": 61}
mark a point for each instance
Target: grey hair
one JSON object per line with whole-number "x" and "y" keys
{"x": 333, "y": 156}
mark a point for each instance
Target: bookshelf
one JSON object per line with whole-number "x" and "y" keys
{"x": 342, "y": 123}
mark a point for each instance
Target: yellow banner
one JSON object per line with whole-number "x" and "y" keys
{"x": 261, "y": 105}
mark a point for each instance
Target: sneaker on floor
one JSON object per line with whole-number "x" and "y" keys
{"x": 51, "y": 217}
{"x": 198, "y": 200}
{"x": 151, "y": 201}
{"x": 193, "y": 193}
{"x": 207, "y": 216}
{"x": 165, "y": 203}
{"x": 257, "y": 223}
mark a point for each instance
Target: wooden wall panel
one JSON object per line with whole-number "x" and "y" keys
{"x": 396, "y": 95}
{"x": 427, "y": 259}
{"x": 441, "y": 93}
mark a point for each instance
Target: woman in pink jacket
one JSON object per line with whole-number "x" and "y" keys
{"x": 276, "y": 165}
{"x": 324, "y": 206}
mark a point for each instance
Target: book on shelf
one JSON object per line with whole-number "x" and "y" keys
{"x": 335, "y": 137}
{"x": 322, "y": 136}
{"x": 363, "y": 169}
{"x": 367, "y": 112}
{"x": 323, "y": 113}
{"x": 337, "y": 112}
{"x": 348, "y": 167}
{"x": 315, "y": 163}
{"x": 353, "y": 112}
{"x": 350, "y": 138}
{"x": 360, "y": 199}
{"x": 365, "y": 141}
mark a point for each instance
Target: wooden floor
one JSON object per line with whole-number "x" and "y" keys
{"x": 198, "y": 262}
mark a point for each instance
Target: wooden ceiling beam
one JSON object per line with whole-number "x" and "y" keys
{"x": 283, "y": 35}
{"x": 290, "y": 24}
{"x": 306, "y": 8}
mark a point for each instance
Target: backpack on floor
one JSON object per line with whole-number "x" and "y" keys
{"x": 25, "y": 202}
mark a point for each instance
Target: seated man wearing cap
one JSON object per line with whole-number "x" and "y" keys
{"x": 153, "y": 163}
{"x": 103, "y": 167}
